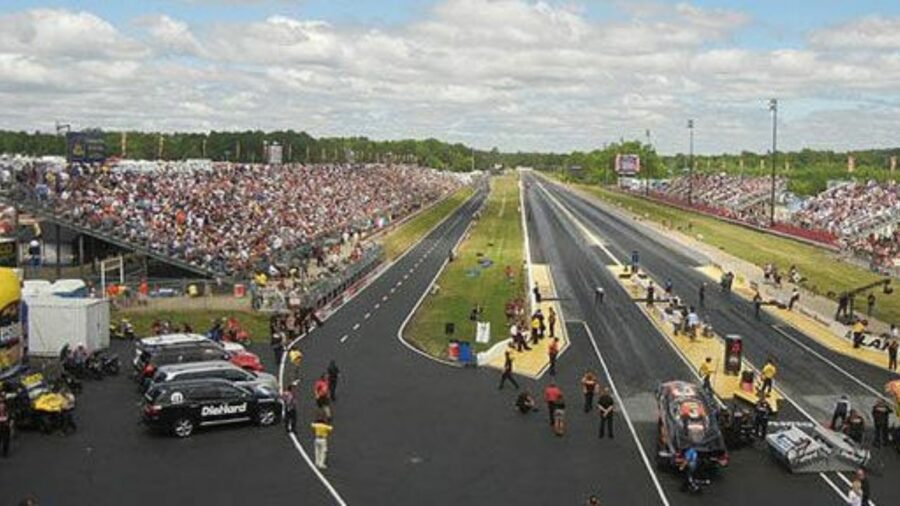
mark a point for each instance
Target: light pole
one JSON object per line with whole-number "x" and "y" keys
{"x": 773, "y": 106}
{"x": 690, "y": 126}
{"x": 647, "y": 174}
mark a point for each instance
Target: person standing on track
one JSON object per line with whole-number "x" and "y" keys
{"x": 289, "y": 400}
{"x": 588, "y": 387}
{"x": 323, "y": 401}
{"x": 701, "y": 295}
{"x": 552, "y": 395}
{"x": 650, "y": 291}
{"x": 761, "y": 412}
{"x": 768, "y": 377}
{"x": 892, "y": 352}
{"x": 880, "y": 414}
{"x": 757, "y": 304}
{"x": 607, "y": 407}
{"x": 795, "y": 298}
{"x": 552, "y": 353}
{"x": 599, "y": 294}
{"x": 668, "y": 288}
{"x": 864, "y": 486}
{"x": 507, "y": 372}
{"x": 840, "y": 414}
{"x": 559, "y": 416}
{"x": 551, "y": 322}
{"x": 706, "y": 371}
{"x": 333, "y": 374}
{"x": 321, "y": 430}
{"x": 537, "y": 294}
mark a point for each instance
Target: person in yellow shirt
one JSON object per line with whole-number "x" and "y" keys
{"x": 706, "y": 370}
{"x": 321, "y": 430}
{"x": 858, "y": 329}
{"x": 768, "y": 374}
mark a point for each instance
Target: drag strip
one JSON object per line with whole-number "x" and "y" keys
{"x": 639, "y": 359}
{"x": 803, "y": 376}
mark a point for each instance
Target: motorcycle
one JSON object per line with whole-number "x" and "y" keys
{"x": 100, "y": 365}
{"x": 123, "y": 330}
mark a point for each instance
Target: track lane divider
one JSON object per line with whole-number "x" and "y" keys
{"x": 612, "y": 384}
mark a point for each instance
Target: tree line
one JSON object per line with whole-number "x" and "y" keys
{"x": 807, "y": 171}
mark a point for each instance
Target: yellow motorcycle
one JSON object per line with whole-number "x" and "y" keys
{"x": 38, "y": 406}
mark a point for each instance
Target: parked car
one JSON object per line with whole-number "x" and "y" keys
{"x": 180, "y": 407}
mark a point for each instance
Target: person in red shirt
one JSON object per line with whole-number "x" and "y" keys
{"x": 552, "y": 395}
{"x": 143, "y": 292}
{"x": 320, "y": 391}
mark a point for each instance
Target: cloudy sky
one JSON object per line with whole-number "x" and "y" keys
{"x": 517, "y": 74}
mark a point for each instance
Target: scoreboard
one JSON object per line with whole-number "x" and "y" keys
{"x": 88, "y": 146}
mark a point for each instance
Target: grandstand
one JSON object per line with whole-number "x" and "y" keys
{"x": 858, "y": 217}
{"x": 226, "y": 220}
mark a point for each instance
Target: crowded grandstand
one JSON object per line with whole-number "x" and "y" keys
{"x": 857, "y": 217}
{"x": 230, "y": 218}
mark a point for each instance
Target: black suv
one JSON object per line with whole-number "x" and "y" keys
{"x": 180, "y": 407}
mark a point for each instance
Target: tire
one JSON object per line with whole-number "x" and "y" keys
{"x": 266, "y": 417}
{"x": 183, "y": 428}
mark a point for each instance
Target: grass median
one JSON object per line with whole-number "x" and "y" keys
{"x": 400, "y": 239}
{"x": 824, "y": 271}
{"x": 468, "y": 280}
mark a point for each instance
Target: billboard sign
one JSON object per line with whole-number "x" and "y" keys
{"x": 628, "y": 165}
{"x": 85, "y": 147}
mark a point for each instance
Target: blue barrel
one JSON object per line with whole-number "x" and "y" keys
{"x": 465, "y": 352}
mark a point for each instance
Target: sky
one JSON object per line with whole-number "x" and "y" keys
{"x": 520, "y": 75}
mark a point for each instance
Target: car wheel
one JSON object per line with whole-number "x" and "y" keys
{"x": 266, "y": 417}
{"x": 183, "y": 427}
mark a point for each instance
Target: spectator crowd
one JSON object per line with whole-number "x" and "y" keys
{"x": 858, "y": 217}
{"x": 232, "y": 218}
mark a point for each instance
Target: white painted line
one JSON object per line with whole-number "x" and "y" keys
{"x": 393, "y": 289}
{"x": 385, "y": 297}
{"x": 637, "y": 441}
{"x": 406, "y": 276}
{"x": 834, "y": 366}
{"x": 687, "y": 362}
{"x": 584, "y": 230}
{"x": 344, "y": 338}
{"x": 366, "y": 317}
{"x": 422, "y": 299}
{"x": 531, "y": 300}
{"x": 399, "y": 282}
{"x": 340, "y": 501}
{"x": 356, "y": 326}
{"x": 334, "y": 493}
{"x": 377, "y": 305}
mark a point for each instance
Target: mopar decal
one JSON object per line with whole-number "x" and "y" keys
{"x": 223, "y": 409}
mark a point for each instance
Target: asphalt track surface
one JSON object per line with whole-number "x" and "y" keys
{"x": 804, "y": 377}
{"x": 409, "y": 430}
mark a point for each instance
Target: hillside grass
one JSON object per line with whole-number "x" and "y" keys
{"x": 497, "y": 236}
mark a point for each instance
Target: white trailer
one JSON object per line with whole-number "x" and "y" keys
{"x": 54, "y": 322}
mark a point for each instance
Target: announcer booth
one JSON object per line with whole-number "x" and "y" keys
{"x": 13, "y": 342}
{"x": 627, "y": 169}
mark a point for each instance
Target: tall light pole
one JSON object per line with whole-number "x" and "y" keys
{"x": 647, "y": 174}
{"x": 773, "y": 106}
{"x": 690, "y": 126}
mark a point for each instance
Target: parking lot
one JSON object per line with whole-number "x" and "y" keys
{"x": 113, "y": 459}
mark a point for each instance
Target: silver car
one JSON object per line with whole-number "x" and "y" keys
{"x": 214, "y": 369}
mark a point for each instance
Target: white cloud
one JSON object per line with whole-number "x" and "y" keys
{"x": 865, "y": 33}
{"x": 519, "y": 74}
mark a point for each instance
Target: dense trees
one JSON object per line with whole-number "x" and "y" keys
{"x": 808, "y": 171}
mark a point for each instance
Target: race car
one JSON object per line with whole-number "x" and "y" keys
{"x": 686, "y": 421}
{"x": 180, "y": 407}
